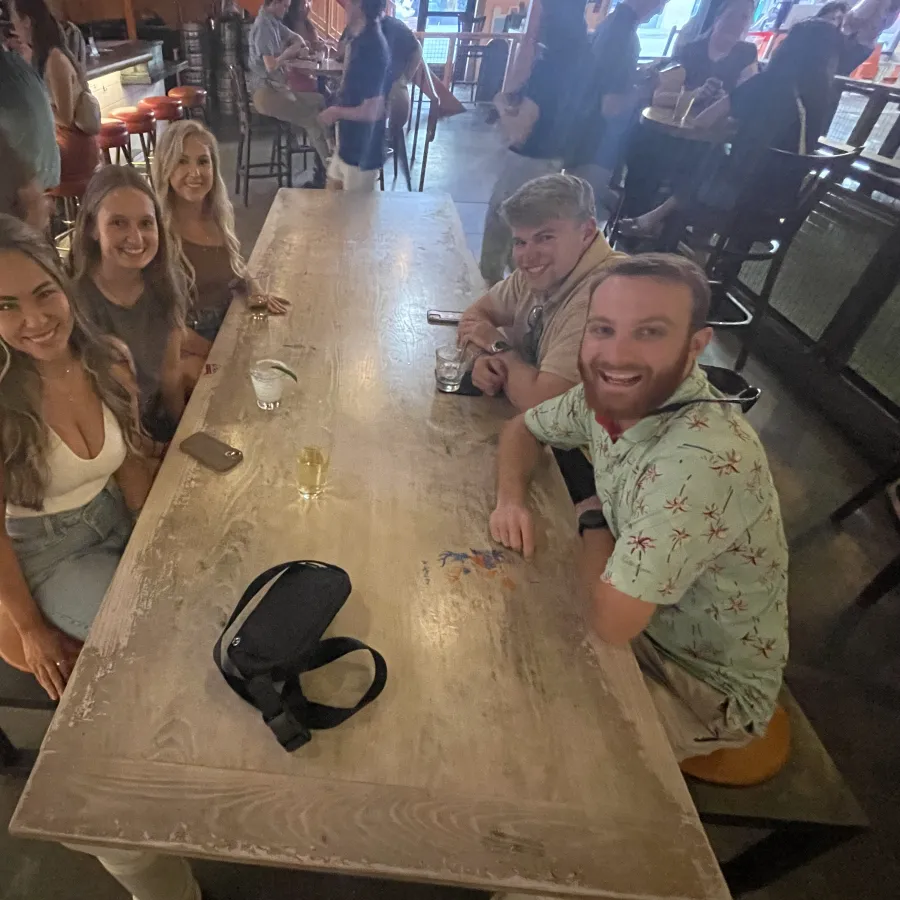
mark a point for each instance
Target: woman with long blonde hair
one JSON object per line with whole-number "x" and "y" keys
{"x": 129, "y": 284}
{"x": 70, "y": 471}
{"x": 199, "y": 217}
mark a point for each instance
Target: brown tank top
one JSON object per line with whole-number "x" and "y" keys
{"x": 213, "y": 274}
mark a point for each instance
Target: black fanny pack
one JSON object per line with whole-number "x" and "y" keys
{"x": 275, "y": 634}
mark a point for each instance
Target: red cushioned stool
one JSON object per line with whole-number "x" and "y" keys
{"x": 193, "y": 98}
{"x": 114, "y": 136}
{"x": 140, "y": 122}
{"x": 69, "y": 193}
{"x": 164, "y": 109}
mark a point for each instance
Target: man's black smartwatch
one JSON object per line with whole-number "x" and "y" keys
{"x": 500, "y": 346}
{"x": 590, "y": 520}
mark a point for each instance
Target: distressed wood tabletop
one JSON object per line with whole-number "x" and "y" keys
{"x": 503, "y": 753}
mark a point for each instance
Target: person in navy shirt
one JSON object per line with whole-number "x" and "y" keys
{"x": 361, "y": 108}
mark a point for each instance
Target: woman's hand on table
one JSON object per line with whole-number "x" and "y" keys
{"x": 51, "y": 655}
{"x": 277, "y": 306}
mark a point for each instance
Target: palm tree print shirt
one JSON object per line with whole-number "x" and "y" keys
{"x": 691, "y": 504}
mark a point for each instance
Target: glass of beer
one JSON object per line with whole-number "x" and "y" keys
{"x": 313, "y": 460}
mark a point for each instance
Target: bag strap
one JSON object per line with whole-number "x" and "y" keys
{"x": 320, "y": 715}
{"x": 289, "y": 714}
{"x": 742, "y": 397}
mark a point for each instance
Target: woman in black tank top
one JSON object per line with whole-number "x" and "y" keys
{"x": 718, "y": 61}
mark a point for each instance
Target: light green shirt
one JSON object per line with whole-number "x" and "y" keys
{"x": 691, "y": 504}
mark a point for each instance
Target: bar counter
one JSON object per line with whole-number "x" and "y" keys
{"x": 118, "y": 55}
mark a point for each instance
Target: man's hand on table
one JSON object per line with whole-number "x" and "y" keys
{"x": 478, "y": 331}
{"x": 513, "y": 526}
{"x": 489, "y": 374}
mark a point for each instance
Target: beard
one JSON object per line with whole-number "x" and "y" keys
{"x": 651, "y": 392}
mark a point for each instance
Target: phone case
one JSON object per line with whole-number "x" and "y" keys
{"x": 443, "y": 317}
{"x": 211, "y": 452}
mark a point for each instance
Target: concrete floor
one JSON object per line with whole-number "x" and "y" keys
{"x": 844, "y": 668}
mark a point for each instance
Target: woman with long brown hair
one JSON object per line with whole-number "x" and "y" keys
{"x": 129, "y": 284}
{"x": 70, "y": 472}
{"x": 75, "y": 114}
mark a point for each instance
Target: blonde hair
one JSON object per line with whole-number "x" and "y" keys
{"x": 24, "y": 436}
{"x": 162, "y": 274}
{"x": 169, "y": 151}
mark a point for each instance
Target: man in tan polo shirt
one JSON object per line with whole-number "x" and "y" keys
{"x": 529, "y": 326}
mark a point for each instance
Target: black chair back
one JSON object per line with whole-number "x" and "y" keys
{"x": 786, "y": 184}
{"x": 775, "y": 195}
{"x": 241, "y": 95}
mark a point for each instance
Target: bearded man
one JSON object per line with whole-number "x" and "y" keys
{"x": 682, "y": 549}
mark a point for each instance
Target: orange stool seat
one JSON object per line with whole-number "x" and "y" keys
{"x": 137, "y": 121}
{"x": 763, "y": 758}
{"x": 192, "y": 97}
{"x": 113, "y": 133}
{"x": 164, "y": 109}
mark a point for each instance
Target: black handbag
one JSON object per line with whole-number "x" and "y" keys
{"x": 275, "y": 634}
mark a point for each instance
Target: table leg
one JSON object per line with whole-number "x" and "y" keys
{"x": 780, "y": 852}
{"x": 146, "y": 876}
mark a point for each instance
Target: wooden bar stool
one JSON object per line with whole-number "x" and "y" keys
{"x": 193, "y": 99}
{"x": 140, "y": 122}
{"x": 114, "y": 136}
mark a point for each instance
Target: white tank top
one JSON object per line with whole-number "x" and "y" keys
{"x": 74, "y": 481}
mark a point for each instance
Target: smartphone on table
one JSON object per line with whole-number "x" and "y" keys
{"x": 211, "y": 452}
{"x": 443, "y": 317}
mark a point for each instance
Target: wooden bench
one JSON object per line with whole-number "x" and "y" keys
{"x": 807, "y": 807}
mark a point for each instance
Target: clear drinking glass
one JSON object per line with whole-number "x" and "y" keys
{"x": 269, "y": 377}
{"x": 313, "y": 459}
{"x": 449, "y": 368}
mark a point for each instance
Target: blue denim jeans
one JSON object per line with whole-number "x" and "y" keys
{"x": 69, "y": 558}
{"x": 207, "y": 322}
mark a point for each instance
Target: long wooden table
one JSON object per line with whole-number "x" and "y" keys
{"x": 503, "y": 753}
